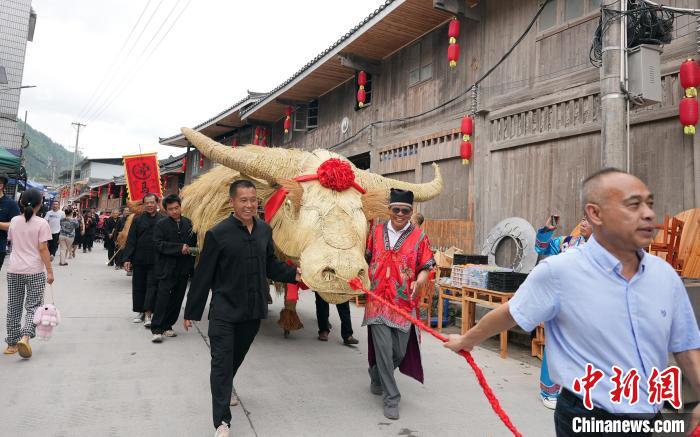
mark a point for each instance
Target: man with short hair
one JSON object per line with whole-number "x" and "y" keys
{"x": 236, "y": 261}
{"x": 139, "y": 253}
{"x": 54, "y": 217}
{"x": 606, "y": 303}
{"x": 110, "y": 232}
{"x": 90, "y": 229}
{"x": 400, "y": 259}
{"x": 175, "y": 244}
{"x": 8, "y": 209}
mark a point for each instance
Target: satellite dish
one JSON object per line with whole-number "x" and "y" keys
{"x": 345, "y": 125}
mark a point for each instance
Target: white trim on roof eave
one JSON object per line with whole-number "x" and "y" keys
{"x": 371, "y": 23}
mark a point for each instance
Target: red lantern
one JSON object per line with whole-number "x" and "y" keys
{"x": 256, "y": 137}
{"x": 264, "y": 137}
{"x": 184, "y": 165}
{"x": 688, "y": 111}
{"x": 361, "y": 93}
{"x": 99, "y": 192}
{"x": 201, "y": 160}
{"x": 690, "y": 77}
{"x": 109, "y": 191}
{"x": 121, "y": 191}
{"x": 467, "y": 129}
{"x": 234, "y": 143}
{"x": 287, "y": 119}
{"x": 465, "y": 152}
{"x": 453, "y": 49}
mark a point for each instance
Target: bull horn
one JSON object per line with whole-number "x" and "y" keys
{"x": 269, "y": 164}
{"x": 421, "y": 192}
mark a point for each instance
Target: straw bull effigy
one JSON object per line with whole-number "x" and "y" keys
{"x": 318, "y": 204}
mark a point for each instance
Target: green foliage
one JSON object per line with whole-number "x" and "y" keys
{"x": 42, "y": 151}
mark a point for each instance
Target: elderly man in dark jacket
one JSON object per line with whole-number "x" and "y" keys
{"x": 175, "y": 246}
{"x": 237, "y": 259}
{"x": 140, "y": 254}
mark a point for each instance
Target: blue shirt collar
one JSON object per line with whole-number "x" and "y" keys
{"x": 607, "y": 260}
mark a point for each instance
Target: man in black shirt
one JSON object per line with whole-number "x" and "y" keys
{"x": 8, "y": 209}
{"x": 175, "y": 244}
{"x": 110, "y": 234}
{"x": 140, "y": 253}
{"x": 237, "y": 259}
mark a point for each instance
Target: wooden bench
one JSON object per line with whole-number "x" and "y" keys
{"x": 472, "y": 297}
{"x": 537, "y": 344}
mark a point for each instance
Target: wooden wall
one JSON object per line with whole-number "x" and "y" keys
{"x": 537, "y": 133}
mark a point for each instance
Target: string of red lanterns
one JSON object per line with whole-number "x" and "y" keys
{"x": 256, "y": 137}
{"x": 453, "y": 48}
{"x": 201, "y": 160}
{"x": 467, "y": 128}
{"x": 361, "y": 93}
{"x": 688, "y": 106}
{"x": 288, "y": 119}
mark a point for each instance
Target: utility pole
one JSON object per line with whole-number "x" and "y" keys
{"x": 613, "y": 101}
{"x": 75, "y": 154}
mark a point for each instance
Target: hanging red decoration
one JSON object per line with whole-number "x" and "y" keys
{"x": 690, "y": 77}
{"x": 287, "y": 119}
{"x": 256, "y": 137}
{"x": 235, "y": 143}
{"x": 165, "y": 184}
{"x": 361, "y": 93}
{"x": 201, "y": 160}
{"x": 184, "y": 165}
{"x": 688, "y": 111}
{"x": 465, "y": 152}
{"x": 99, "y": 191}
{"x": 121, "y": 192}
{"x": 467, "y": 129}
{"x": 264, "y": 137}
{"x": 109, "y": 191}
{"x": 453, "y": 48}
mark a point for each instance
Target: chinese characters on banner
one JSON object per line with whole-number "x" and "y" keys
{"x": 663, "y": 386}
{"x": 142, "y": 175}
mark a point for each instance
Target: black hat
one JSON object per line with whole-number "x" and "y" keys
{"x": 4, "y": 179}
{"x": 401, "y": 197}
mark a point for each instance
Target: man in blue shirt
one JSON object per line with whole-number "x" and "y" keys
{"x": 8, "y": 209}
{"x": 606, "y": 303}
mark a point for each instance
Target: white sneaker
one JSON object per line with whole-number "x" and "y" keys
{"x": 234, "y": 400}
{"x": 138, "y": 319}
{"x": 157, "y": 338}
{"x": 147, "y": 322}
{"x": 549, "y": 402}
{"x": 170, "y": 333}
{"x": 222, "y": 430}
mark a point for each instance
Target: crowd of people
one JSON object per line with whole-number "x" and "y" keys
{"x": 600, "y": 278}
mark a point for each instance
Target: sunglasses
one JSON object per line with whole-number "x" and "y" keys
{"x": 404, "y": 211}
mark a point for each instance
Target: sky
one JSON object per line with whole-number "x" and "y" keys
{"x": 184, "y": 62}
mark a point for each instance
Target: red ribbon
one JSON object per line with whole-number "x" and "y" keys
{"x": 356, "y": 284}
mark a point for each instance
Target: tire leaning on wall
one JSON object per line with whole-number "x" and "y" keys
{"x": 524, "y": 235}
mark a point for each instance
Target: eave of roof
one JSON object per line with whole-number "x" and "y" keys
{"x": 389, "y": 28}
{"x": 231, "y": 115}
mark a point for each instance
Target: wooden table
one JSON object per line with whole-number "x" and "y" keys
{"x": 470, "y": 297}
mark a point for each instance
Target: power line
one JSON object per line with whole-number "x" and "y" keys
{"x": 458, "y": 96}
{"x": 131, "y": 49}
{"x": 114, "y": 63}
{"x": 148, "y": 57}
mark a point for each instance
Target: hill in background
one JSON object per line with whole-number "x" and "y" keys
{"x": 43, "y": 154}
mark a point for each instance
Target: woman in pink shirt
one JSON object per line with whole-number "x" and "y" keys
{"x": 28, "y": 272}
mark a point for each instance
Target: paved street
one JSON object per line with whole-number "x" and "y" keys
{"x": 101, "y": 375}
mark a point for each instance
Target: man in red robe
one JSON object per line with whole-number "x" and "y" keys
{"x": 400, "y": 259}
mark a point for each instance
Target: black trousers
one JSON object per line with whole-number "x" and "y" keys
{"x": 322, "y": 309}
{"x": 109, "y": 245}
{"x": 144, "y": 288}
{"x": 229, "y": 345}
{"x": 88, "y": 239}
{"x": 53, "y": 244}
{"x": 171, "y": 293}
{"x": 570, "y": 406}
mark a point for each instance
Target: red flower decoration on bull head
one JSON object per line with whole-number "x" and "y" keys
{"x": 335, "y": 174}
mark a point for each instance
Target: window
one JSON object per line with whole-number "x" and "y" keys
{"x": 305, "y": 117}
{"x": 368, "y": 91}
{"x": 558, "y": 12}
{"x": 420, "y": 61}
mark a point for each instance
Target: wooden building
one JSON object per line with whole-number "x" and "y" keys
{"x": 538, "y": 115}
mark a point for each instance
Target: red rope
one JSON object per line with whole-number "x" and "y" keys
{"x": 696, "y": 432}
{"x": 356, "y": 284}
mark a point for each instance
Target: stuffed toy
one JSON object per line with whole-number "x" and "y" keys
{"x": 46, "y": 318}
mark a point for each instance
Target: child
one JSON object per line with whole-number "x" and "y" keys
{"x": 28, "y": 272}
